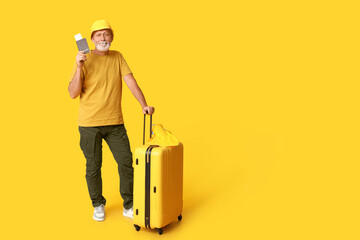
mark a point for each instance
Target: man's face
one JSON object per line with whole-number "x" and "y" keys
{"x": 102, "y": 39}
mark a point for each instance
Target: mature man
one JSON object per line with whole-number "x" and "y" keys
{"x": 96, "y": 77}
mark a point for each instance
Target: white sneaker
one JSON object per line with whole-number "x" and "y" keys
{"x": 99, "y": 213}
{"x": 128, "y": 213}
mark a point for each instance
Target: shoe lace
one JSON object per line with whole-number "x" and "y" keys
{"x": 128, "y": 210}
{"x": 98, "y": 208}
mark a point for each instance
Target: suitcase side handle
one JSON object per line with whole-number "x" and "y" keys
{"x": 144, "y": 127}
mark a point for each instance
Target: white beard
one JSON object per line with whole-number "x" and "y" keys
{"x": 103, "y": 46}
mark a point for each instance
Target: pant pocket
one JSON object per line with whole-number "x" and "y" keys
{"x": 87, "y": 143}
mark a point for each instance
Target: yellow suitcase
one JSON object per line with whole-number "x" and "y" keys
{"x": 158, "y": 185}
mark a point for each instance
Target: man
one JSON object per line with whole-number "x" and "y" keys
{"x": 96, "y": 77}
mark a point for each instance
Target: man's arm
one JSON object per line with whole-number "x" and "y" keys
{"x": 75, "y": 85}
{"x": 138, "y": 94}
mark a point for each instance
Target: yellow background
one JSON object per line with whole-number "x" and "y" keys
{"x": 263, "y": 94}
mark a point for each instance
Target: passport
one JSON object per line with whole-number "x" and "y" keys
{"x": 82, "y": 43}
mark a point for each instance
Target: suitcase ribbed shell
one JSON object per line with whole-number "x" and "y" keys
{"x": 166, "y": 185}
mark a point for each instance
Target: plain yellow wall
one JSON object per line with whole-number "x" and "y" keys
{"x": 263, "y": 94}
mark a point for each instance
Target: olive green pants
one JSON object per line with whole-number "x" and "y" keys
{"x": 118, "y": 142}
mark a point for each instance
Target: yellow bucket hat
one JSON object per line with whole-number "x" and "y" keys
{"x": 99, "y": 25}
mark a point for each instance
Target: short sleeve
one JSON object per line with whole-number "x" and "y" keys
{"x": 124, "y": 67}
{"x": 73, "y": 73}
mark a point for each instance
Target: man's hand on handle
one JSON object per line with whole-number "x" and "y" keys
{"x": 148, "y": 110}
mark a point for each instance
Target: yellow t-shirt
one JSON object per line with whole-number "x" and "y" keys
{"x": 100, "y": 97}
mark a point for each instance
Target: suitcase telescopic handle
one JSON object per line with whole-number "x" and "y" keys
{"x": 144, "y": 127}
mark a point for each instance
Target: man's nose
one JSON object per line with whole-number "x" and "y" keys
{"x": 102, "y": 38}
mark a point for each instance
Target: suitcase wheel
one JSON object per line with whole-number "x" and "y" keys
{"x": 180, "y": 217}
{"x": 137, "y": 227}
{"x": 160, "y": 231}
